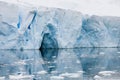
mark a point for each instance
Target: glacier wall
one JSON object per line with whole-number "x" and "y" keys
{"x": 26, "y": 27}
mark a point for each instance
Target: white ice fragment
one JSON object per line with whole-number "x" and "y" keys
{"x": 80, "y": 71}
{"x": 96, "y": 77}
{"x": 2, "y": 78}
{"x": 71, "y": 75}
{"x": 42, "y": 72}
{"x": 101, "y": 53}
{"x": 118, "y": 52}
{"x": 54, "y": 72}
{"x": 78, "y": 62}
{"x": 74, "y": 75}
{"x": 56, "y": 78}
{"x": 65, "y": 74}
{"x": 19, "y": 77}
{"x": 107, "y": 73}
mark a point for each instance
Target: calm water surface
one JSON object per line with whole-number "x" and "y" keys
{"x": 62, "y": 64}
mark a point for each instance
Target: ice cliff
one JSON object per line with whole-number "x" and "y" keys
{"x": 27, "y": 27}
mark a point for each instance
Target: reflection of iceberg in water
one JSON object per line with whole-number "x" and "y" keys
{"x": 63, "y": 64}
{"x": 49, "y": 56}
{"x": 16, "y": 63}
{"x": 95, "y": 60}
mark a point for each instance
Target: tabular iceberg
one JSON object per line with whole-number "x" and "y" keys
{"x": 26, "y": 27}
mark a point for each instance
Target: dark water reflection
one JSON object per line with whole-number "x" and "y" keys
{"x": 62, "y": 64}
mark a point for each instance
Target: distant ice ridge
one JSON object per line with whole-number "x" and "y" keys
{"x": 23, "y": 26}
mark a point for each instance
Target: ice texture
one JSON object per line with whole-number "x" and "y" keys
{"x": 23, "y": 26}
{"x": 60, "y": 64}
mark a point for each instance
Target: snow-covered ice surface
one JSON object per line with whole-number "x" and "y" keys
{"x": 62, "y": 64}
{"x": 24, "y": 26}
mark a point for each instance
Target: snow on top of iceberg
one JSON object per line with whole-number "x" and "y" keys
{"x": 91, "y": 7}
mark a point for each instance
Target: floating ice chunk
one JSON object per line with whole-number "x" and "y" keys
{"x": 2, "y": 78}
{"x": 107, "y": 73}
{"x": 96, "y": 77}
{"x": 56, "y": 78}
{"x": 118, "y": 52}
{"x": 19, "y": 77}
{"x": 42, "y": 72}
{"x": 78, "y": 61}
{"x": 101, "y": 53}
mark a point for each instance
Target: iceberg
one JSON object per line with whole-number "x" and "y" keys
{"x": 23, "y": 26}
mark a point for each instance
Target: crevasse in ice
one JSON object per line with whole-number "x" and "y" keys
{"x": 26, "y": 27}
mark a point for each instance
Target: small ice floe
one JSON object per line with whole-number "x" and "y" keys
{"x": 48, "y": 62}
{"x": 65, "y": 74}
{"x": 106, "y": 73}
{"x": 56, "y": 78}
{"x": 78, "y": 62}
{"x": 74, "y": 75}
{"x": 54, "y": 72}
{"x": 42, "y": 72}
{"x": 118, "y": 52}
{"x": 101, "y": 53}
{"x": 2, "y": 78}
{"x": 51, "y": 66}
{"x": 80, "y": 72}
{"x": 54, "y": 56}
{"x": 70, "y": 75}
{"x": 21, "y": 77}
{"x": 96, "y": 77}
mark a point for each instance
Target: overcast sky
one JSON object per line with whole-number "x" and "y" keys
{"x": 91, "y": 7}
